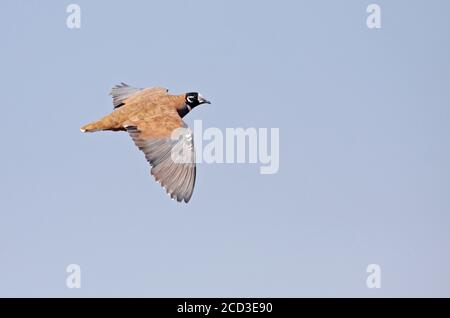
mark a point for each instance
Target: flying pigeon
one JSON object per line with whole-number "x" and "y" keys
{"x": 151, "y": 116}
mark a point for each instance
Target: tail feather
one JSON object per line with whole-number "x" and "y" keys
{"x": 92, "y": 127}
{"x": 113, "y": 121}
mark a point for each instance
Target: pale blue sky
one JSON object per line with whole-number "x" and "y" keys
{"x": 365, "y": 152}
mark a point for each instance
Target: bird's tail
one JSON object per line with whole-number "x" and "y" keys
{"x": 110, "y": 122}
{"x": 94, "y": 126}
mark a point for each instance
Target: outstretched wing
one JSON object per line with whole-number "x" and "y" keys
{"x": 120, "y": 93}
{"x": 168, "y": 145}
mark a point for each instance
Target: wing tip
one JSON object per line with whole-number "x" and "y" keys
{"x": 175, "y": 196}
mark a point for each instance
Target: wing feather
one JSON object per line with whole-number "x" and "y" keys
{"x": 120, "y": 93}
{"x": 172, "y": 160}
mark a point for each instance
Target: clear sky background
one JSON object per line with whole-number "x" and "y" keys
{"x": 364, "y": 118}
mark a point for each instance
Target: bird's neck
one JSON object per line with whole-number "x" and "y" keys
{"x": 183, "y": 111}
{"x": 179, "y": 103}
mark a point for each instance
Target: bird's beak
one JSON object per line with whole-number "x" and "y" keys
{"x": 203, "y": 100}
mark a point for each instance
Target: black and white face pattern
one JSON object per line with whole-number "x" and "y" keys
{"x": 194, "y": 99}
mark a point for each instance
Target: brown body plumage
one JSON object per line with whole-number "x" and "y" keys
{"x": 150, "y": 116}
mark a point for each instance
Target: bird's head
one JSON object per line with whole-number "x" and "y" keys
{"x": 194, "y": 99}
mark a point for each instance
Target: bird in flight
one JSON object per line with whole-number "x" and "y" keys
{"x": 151, "y": 117}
